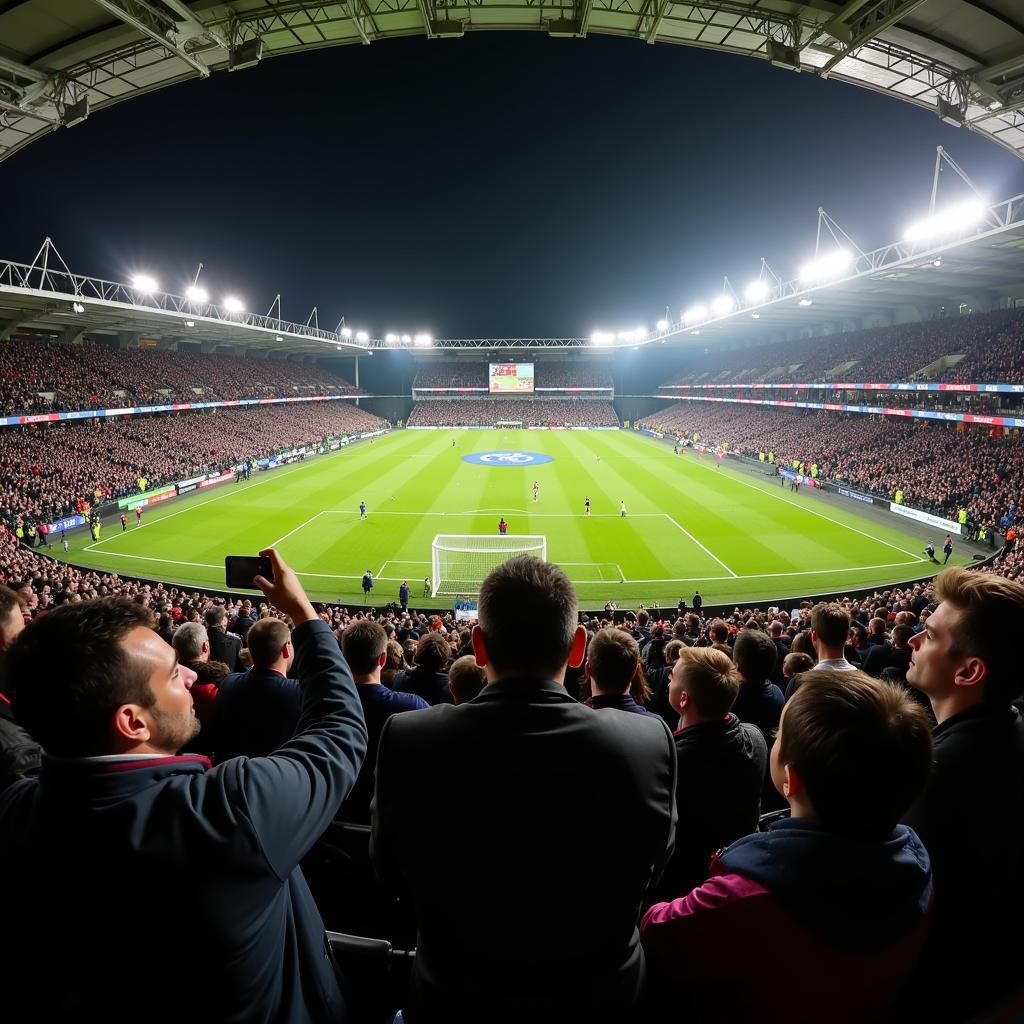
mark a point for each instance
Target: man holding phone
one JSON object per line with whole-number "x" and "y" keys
{"x": 216, "y": 851}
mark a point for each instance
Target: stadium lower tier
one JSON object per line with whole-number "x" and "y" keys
{"x": 939, "y": 467}
{"x": 527, "y": 412}
{"x": 48, "y": 470}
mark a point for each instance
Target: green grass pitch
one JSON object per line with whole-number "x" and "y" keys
{"x": 690, "y": 525}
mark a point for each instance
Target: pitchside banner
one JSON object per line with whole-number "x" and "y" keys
{"x": 925, "y": 517}
{"x": 1001, "y": 389}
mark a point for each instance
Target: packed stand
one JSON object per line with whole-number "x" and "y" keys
{"x": 211, "y": 744}
{"x": 938, "y": 468}
{"x": 47, "y": 470}
{"x": 992, "y": 345}
{"x": 469, "y": 412}
{"x": 93, "y": 375}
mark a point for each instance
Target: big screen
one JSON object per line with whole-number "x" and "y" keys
{"x": 511, "y": 378}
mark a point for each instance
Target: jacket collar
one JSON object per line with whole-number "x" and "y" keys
{"x": 525, "y": 688}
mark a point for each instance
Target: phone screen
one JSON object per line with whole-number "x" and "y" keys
{"x": 241, "y": 570}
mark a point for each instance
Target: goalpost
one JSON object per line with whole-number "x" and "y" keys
{"x": 460, "y": 561}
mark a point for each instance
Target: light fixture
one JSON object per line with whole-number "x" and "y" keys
{"x": 144, "y": 283}
{"x": 190, "y": 323}
{"x": 406, "y": 339}
{"x": 423, "y": 339}
{"x": 346, "y": 332}
{"x": 233, "y": 304}
{"x": 695, "y": 332}
{"x": 949, "y": 221}
{"x": 695, "y": 314}
{"x": 78, "y": 307}
{"x": 362, "y": 336}
{"x": 662, "y": 325}
{"x": 722, "y": 305}
{"x": 806, "y": 302}
{"x": 279, "y": 338}
{"x": 825, "y": 267}
{"x": 756, "y": 291}
{"x": 755, "y": 316}
{"x": 390, "y": 338}
{"x": 936, "y": 263}
{"x": 197, "y": 294}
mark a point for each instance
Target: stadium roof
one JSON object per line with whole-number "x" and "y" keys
{"x": 59, "y": 59}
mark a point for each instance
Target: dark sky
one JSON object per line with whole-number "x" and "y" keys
{"x": 497, "y": 185}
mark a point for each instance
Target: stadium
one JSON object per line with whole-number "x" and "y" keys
{"x": 811, "y": 469}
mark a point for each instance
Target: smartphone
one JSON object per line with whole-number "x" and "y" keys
{"x": 241, "y": 570}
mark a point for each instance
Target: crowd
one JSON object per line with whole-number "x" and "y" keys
{"x": 223, "y": 754}
{"x": 938, "y": 467}
{"x": 93, "y": 375}
{"x": 983, "y": 348}
{"x": 548, "y": 412}
{"x": 546, "y": 374}
{"x": 48, "y": 469}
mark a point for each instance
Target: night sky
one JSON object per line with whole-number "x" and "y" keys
{"x": 498, "y": 185}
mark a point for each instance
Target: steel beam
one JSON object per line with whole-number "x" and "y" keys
{"x": 854, "y": 26}
{"x": 141, "y": 18}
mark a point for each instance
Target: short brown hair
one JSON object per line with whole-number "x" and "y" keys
{"x": 710, "y": 680}
{"x": 265, "y": 640}
{"x": 465, "y": 679}
{"x": 613, "y": 657}
{"x": 362, "y": 643}
{"x": 528, "y": 614}
{"x": 831, "y": 622}
{"x": 432, "y": 652}
{"x": 990, "y": 627}
{"x": 798, "y": 662}
{"x": 862, "y": 747}
{"x": 672, "y": 649}
{"x": 9, "y": 600}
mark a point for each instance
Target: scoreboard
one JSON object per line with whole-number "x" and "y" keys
{"x": 510, "y": 378}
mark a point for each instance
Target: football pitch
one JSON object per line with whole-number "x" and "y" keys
{"x": 689, "y": 524}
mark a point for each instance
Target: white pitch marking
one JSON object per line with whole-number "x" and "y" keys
{"x": 274, "y": 544}
{"x": 701, "y": 546}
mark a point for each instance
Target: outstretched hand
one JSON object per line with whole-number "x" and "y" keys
{"x": 285, "y": 593}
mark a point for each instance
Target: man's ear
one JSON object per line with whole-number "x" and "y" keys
{"x": 130, "y": 727}
{"x": 973, "y": 672}
{"x": 479, "y": 651}
{"x": 579, "y": 647}
{"x": 792, "y": 783}
{"x": 383, "y": 659}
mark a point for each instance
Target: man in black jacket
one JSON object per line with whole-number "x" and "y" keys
{"x": 428, "y": 678}
{"x": 224, "y": 646}
{"x": 971, "y": 816}
{"x": 19, "y": 753}
{"x": 759, "y": 700}
{"x": 519, "y": 783}
{"x": 895, "y": 656}
{"x": 165, "y": 849}
{"x": 721, "y": 763}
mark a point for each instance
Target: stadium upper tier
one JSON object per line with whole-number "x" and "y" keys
{"x": 47, "y": 470}
{"x": 546, "y": 375}
{"x": 939, "y": 467}
{"x": 484, "y": 412}
{"x": 40, "y": 376}
{"x": 982, "y": 348}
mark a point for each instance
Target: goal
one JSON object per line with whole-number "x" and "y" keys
{"x": 460, "y": 561}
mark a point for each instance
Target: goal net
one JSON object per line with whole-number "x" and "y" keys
{"x": 460, "y": 561}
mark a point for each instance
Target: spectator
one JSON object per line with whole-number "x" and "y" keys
{"x": 19, "y": 753}
{"x": 971, "y": 816}
{"x": 614, "y": 794}
{"x": 759, "y": 701}
{"x": 224, "y": 646}
{"x": 830, "y": 626}
{"x": 721, "y": 767}
{"x": 659, "y": 682}
{"x": 364, "y": 645}
{"x": 893, "y": 656}
{"x": 257, "y": 711}
{"x": 216, "y": 851}
{"x": 613, "y": 664}
{"x": 466, "y": 679}
{"x": 428, "y": 678}
{"x": 851, "y": 756}
{"x": 192, "y": 645}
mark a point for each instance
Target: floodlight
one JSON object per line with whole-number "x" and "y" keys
{"x": 144, "y": 283}
{"x": 233, "y": 305}
{"x": 279, "y": 338}
{"x": 190, "y": 323}
{"x": 346, "y": 332}
{"x": 722, "y": 305}
{"x": 197, "y": 294}
{"x": 806, "y": 302}
{"x": 406, "y": 339}
{"x": 423, "y": 339}
{"x": 662, "y": 325}
{"x": 825, "y": 267}
{"x": 362, "y": 336}
{"x": 936, "y": 263}
{"x": 78, "y": 307}
{"x": 640, "y": 333}
{"x": 624, "y": 335}
{"x": 391, "y": 338}
{"x": 695, "y": 313}
{"x": 755, "y": 316}
{"x": 950, "y": 221}
{"x": 756, "y": 291}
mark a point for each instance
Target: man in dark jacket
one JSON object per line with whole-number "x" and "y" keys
{"x": 895, "y": 656}
{"x": 428, "y": 678}
{"x": 19, "y": 753}
{"x": 971, "y": 816}
{"x": 165, "y": 849}
{"x": 613, "y": 663}
{"x": 520, "y": 782}
{"x": 224, "y": 646}
{"x": 721, "y": 764}
{"x": 759, "y": 700}
{"x": 256, "y": 711}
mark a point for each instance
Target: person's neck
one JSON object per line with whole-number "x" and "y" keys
{"x": 597, "y": 692}
{"x": 280, "y": 666}
{"x": 371, "y": 679}
{"x": 831, "y": 653}
{"x": 693, "y": 717}
{"x": 945, "y": 707}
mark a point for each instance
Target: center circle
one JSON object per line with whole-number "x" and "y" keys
{"x": 513, "y": 458}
